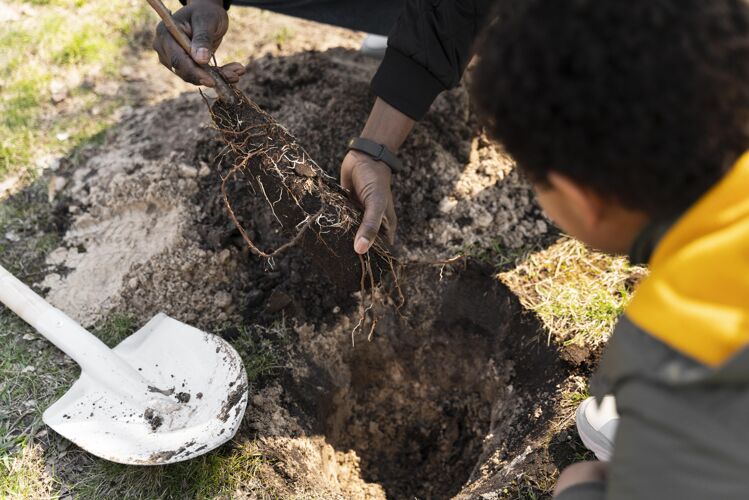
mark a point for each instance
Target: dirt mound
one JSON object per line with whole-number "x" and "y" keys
{"x": 448, "y": 390}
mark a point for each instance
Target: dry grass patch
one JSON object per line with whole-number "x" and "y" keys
{"x": 23, "y": 474}
{"x": 578, "y": 294}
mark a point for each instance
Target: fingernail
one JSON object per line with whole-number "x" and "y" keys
{"x": 203, "y": 55}
{"x": 361, "y": 245}
{"x": 206, "y": 82}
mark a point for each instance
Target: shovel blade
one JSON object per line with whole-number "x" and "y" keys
{"x": 196, "y": 402}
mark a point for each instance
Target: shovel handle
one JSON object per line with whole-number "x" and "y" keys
{"x": 91, "y": 354}
{"x": 224, "y": 91}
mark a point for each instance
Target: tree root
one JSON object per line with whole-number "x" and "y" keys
{"x": 306, "y": 202}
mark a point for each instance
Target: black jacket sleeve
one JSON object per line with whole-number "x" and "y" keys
{"x": 227, "y": 3}
{"x": 428, "y": 50}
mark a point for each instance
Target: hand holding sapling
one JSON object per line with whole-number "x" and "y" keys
{"x": 368, "y": 181}
{"x": 205, "y": 22}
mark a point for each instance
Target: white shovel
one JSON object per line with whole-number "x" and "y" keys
{"x": 167, "y": 393}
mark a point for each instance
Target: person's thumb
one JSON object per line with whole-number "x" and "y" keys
{"x": 374, "y": 211}
{"x": 203, "y": 31}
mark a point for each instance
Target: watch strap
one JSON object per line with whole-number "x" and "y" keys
{"x": 377, "y": 151}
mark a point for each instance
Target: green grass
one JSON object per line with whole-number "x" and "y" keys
{"x": 260, "y": 349}
{"x": 578, "y": 294}
{"x": 70, "y": 41}
{"x": 22, "y": 475}
{"x": 217, "y": 474}
{"x": 33, "y": 374}
{"x": 24, "y": 394}
{"x": 282, "y": 36}
{"x": 115, "y": 329}
{"x": 28, "y": 218}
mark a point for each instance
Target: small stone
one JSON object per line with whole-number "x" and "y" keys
{"x": 28, "y": 336}
{"x": 204, "y": 171}
{"x": 58, "y": 91}
{"x": 188, "y": 171}
{"x": 222, "y": 300}
{"x": 12, "y": 237}
{"x": 121, "y": 112}
{"x": 54, "y": 186}
{"x": 133, "y": 283}
{"x": 28, "y": 369}
{"x": 62, "y": 136}
{"x": 47, "y": 162}
{"x": 484, "y": 219}
{"x": 107, "y": 88}
{"x": 224, "y": 255}
{"x": 447, "y": 204}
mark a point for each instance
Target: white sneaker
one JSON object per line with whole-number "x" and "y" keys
{"x": 597, "y": 426}
{"x": 374, "y": 45}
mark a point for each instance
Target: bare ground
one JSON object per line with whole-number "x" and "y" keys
{"x": 456, "y": 394}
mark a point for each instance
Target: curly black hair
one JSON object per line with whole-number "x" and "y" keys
{"x": 643, "y": 101}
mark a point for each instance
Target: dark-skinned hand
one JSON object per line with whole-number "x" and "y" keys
{"x": 205, "y": 22}
{"x": 368, "y": 183}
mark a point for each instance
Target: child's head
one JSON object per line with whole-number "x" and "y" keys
{"x": 618, "y": 111}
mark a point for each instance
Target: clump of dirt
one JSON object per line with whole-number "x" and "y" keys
{"x": 453, "y": 387}
{"x": 154, "y": 420}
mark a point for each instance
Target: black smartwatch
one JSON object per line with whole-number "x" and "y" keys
{"x": 377, "y": 151}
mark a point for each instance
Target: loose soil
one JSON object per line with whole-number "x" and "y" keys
{"x": 456, "y": 393}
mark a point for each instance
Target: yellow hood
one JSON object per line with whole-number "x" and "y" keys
{"x": 696, "y": 298}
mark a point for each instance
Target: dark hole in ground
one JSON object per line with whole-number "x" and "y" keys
{"x": 417, "y": 402}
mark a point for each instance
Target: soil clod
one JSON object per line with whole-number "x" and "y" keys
{"x": 154, "y": 420}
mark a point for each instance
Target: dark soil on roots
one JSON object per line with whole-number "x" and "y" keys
{"x": 267, "y": 162}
